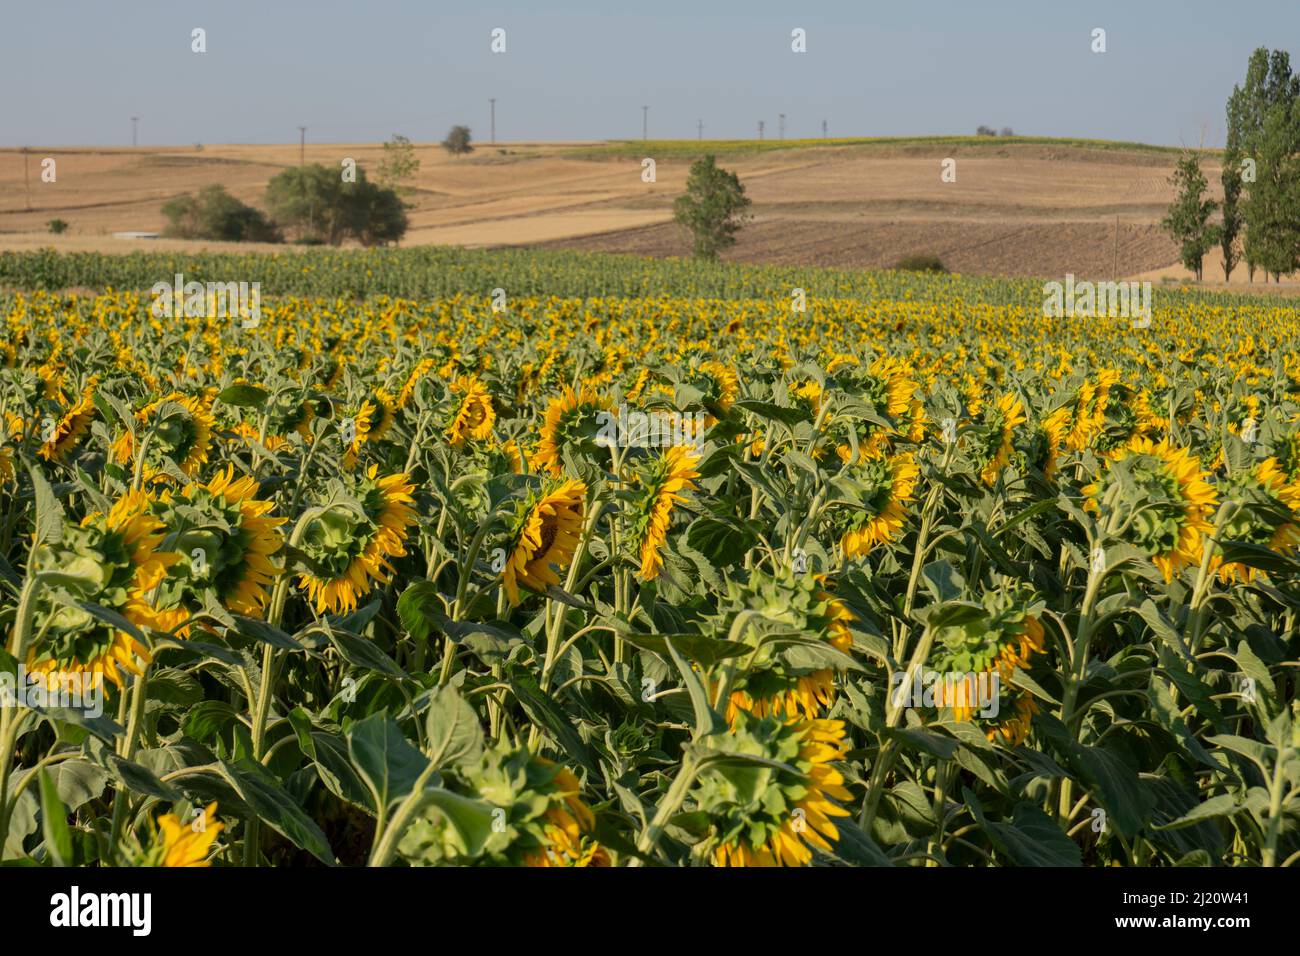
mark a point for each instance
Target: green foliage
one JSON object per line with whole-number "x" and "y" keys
{"x": 215, "y": 214}
{"x": 398, "y": 165}
{"x": 921, "y": 262}
{"x": 1188, "y": 219}
{"x": 57, "y": 226}
{"x": 713, "y": 207}
{"x": 458, "y": 141}
{"x": 315, "y": 202}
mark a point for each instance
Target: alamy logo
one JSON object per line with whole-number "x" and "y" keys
{"x": 626, "y": 429}
{"x": 977, "y": 692}
{"x": 1101, "y": 299}
{"x": 65, "y": 691}
{"x": 73, "y": 909}
{"x": 214, "y": 300}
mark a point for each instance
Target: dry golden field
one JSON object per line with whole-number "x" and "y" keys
{"x": 1015, "y": 209}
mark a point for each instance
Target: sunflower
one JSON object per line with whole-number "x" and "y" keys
{"x": 1259, "y": 508}
{"x": 188, "y": 845}
{"x": 995, "y": 435}
{"x": 721, "y": 389}
{"x": 180, "y": 434}
{"x": 352, "y": 540}
{"x": 663, "y": 483}
{"x": 539, "y": 818}
{"x": 1166, "y": 501}
{"x": 287, "y": 414}
{"x": 362, "y": 422}
{"x": 767, "y": 816}
{"x": 225, "y": 540}
{"x": 475, "y": 416}
{"x": 71, "y": 427}
{"x": 772, "y": 688}
{"x": 1043, "y": 445}
{"x": 545, "y": 536}
{"x": 572, "y": 420}
{"x": 113, "y": 561}
{"x": 1090, "y": 407}
{"x": 885, "y": 486}
{"x": 976, "y": 660}
{"x": 567, "y": 825}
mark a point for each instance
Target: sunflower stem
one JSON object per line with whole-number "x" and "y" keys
{"x": 12, "y": 718}
{"x": 669, "y": 805}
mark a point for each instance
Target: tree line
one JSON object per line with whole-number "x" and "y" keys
{"x": 1258, "y": 221}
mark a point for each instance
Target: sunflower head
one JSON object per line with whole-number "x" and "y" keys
{"x": 175, "y": 433}
{"x": 543, "y": 537}
{"x": 473, "y": 416}
{"x": 225, "y": 539}
{"x": 1164, "y": 498}
{"x": 350, "y": 540}
{"x": 114, "y": 561}
{"x": 1258, "y": 508}
{"x": 781, "y": 679}
{"x": 881, "y": 489}
{"x": 763, "y": 815}
{"x": 659, "y": 485}
{"x": 573, "y": 421}
{"x": 993, "y": 437}
{"x": 538, "y": 817}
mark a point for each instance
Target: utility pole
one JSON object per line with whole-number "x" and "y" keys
{"x": 302, "y": 145}
{"x": 645, "y": 122}
{"x": 781, "y": 120}
{"x": 823, "y": 129}
{"x": 760, "y": 131}
{"x": 27, "y": 186}
{"x": 493, "y": 101}
{"x": 699, "y": 125}
{"x": 1116, "y": 269}
{"x": 134, "y": 120}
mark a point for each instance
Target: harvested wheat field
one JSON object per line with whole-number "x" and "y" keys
{"x": 1029, "y": 209}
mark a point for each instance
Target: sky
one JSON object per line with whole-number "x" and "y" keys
{"x": 73, "y": 72}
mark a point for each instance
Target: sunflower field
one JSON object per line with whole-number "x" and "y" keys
{"x": 465, "y": 559}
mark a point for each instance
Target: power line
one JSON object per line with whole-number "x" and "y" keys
{"x": 760, "y": 130}
{"x": 699, "y": 124}
{"x": 781, "y": 120}
{"x": 492, "y": 100}
{"x": 134, "y": 120}
{"x": 645, "y": 122}
{"x": 302, "y": 145}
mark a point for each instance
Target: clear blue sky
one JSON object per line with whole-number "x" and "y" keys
{"x": 74, "y": 71}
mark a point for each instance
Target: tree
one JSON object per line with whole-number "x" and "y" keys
{"x": 308, "y": 201}
{"x": 457, "y": 142}
{"x": 1262, "y": 128}
{"x": 1231, "y": 225}
{"x": 1188, "y": 220}
{"x": 1007, "y": 131}
{"x": 316, "y": 203}
{"x": 215, "y": 214}
{"x": 712, "y": 208}
{"x": 985, "y": 131}
{"x": 398, "y": 165}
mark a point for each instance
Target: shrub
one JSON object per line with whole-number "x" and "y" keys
{"x": 57, "y": 226}
{"x": 457, "y": 142}
{"x": 215, "y": 214}
{"x": 921, "y": 262}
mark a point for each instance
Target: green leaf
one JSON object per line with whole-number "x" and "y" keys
{"x": 272, "y": 804}
{"x": 49, "y": 513}
{"x": 247, "y": 396}
{"x": 452, "y": 728}
{"x": 1033, "y": 839}
{"x": 54, "y": 823}
{"x": 707, "y": 720}
{"x": 385, "y": 760}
